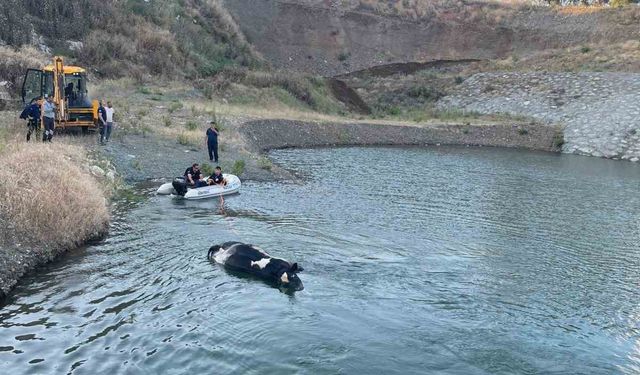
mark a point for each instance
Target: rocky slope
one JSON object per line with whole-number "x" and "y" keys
{"x": 600, "y": 111}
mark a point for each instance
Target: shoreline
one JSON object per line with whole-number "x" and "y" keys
{"x": 265, "y": 135}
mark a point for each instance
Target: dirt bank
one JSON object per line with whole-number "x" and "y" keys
{"x": 263, "y": 135}
{"x": 331, "y": 38}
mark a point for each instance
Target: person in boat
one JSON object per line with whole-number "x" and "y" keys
{"x": 193, "y": 175}
{"x": 216, "y": 178}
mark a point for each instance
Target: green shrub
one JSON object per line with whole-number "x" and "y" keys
{"x": 585, "y": 49}
{"x": 175, "y": 106}
{"x": 343, "y": 56}
{"x": 265, "y": 163}
{"x": 184, "y": 139}
{"x": 427, "y": 93}
{"x": 166, "y": 120}
{"x": 558, "y": 139}
{"x": 191, "y": 125}
{"x": 523, "y": 131}
{"x": 136, "y": 164}
{"x": 458, "y": 80}
{"x": 207, "y": 169}
{"x": 238, "y": 167}
{"x": 394, "y": 111}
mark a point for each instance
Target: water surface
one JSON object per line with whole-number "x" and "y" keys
{"x": 439, "y": 260}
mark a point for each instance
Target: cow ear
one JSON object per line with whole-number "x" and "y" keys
{"x": 295, "y": 268}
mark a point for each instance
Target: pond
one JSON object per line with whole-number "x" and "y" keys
{"x": 446, "y": 260}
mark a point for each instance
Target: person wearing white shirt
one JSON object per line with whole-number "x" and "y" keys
{"x": 109, "y": 125}
{"x": 48, "y": 113}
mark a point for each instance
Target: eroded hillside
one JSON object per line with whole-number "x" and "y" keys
{"x": 329, "y": 37}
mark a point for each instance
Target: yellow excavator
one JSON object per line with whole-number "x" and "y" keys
{"x": 68, "y": 87}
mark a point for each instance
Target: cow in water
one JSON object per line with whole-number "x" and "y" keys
{"x": 238, "y": 256}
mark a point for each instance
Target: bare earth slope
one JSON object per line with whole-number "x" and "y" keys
{"x": 321, "y": 37}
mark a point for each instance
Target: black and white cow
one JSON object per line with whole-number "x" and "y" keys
{"x": 238, "y": 256}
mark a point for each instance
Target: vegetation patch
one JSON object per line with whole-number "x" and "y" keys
{"x": 558, "y": 139}
{"x": 63, "y": 217}
{"x": 238, "y": 167}
{"x": 191, "y": 125}
{"x": 174, "y": 106}
{"x": 207, "y": 169}
{"x": 265, "y": 163}
{"x": 184, "y": 139}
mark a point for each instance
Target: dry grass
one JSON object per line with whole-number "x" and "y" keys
{"x": 618, "y": 57}
{"x": 14, "y": 62}
{"x": 576, "y": 10}
{"x": 47, "y": 197}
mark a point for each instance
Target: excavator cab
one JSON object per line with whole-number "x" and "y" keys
{"x": 68, "y": 87}
{"x": 32, "y": 87}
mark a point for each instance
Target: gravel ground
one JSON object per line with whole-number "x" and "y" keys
{"x": 600, "y": 111}
{"x": 153, "y": 157}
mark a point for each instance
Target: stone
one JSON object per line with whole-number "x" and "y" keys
{"x": 97, "y": 171}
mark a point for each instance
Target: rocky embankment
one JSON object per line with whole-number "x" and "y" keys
{"x": 263, "y": 135}
{"x": 600, "y": 112}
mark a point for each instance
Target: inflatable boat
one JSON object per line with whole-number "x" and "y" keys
{"x": 179, "y": 187}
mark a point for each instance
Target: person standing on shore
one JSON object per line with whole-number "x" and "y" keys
{"x": 212, "y": 141}
{"x": 31, "y": 113}
{"x": 49, "y": 116}
{"x": 102, "y": 120}
{"x": 109, "y": 121}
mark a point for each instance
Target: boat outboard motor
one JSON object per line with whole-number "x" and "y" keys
{"x": 180, "y": 185}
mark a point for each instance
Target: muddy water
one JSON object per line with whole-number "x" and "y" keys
{"x": 444, "y": 260}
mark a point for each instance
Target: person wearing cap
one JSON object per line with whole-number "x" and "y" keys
{"x": 212, "y": 141}
{"x": 48, "y": 115}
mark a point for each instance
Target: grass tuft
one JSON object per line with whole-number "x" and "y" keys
{"x": 265, "y": 163}
{"x": 191, "y": 125}
{"x": 238, "y": 167}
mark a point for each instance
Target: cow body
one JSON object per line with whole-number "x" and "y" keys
{"x": 238, "y": 256}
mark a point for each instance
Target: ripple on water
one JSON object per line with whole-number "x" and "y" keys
{"x": 439, "y": 260}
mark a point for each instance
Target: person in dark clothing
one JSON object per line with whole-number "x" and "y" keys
{"x": 217, "y": 178}
{"x": 212, "y": 141}
{"x": 193, "y": 174}
{"x": 31, "y": 113}
{"x": 102, "y": 120}
{"x": 69, "y": 94}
